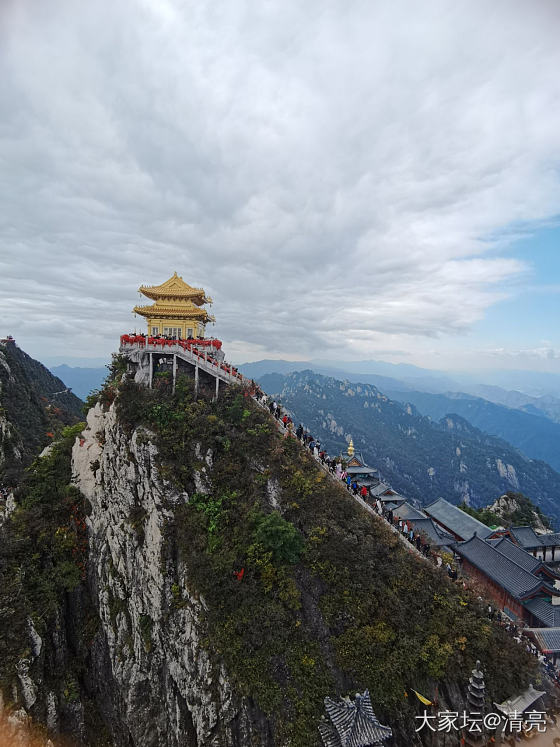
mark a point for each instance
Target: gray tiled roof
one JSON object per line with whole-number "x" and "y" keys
{"x": 499, "y": 567}
{"x": 370, "y": 483}
{"x": 352, "y": 724}
{"x": 437, "y": 536}
{"x": 363, "y": 470}
{"x": 547, "y": 639}
{"x": 520, "y": 703}
{"x": 392, "y": 505}
{"x": 456, "y": 520}
{"x": 360, "y": 459}
{"x": 526, "y": 537}
{"x": 381, "y": 488}
{"x": 529, "y": 539}
{"x": 545, "y": 611}
{"x": 406, "y": 511}
{"x": 396, "y": 498}
{"x": 517, "y": 554}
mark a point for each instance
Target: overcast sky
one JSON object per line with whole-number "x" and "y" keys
{"x": 357, "y": 179}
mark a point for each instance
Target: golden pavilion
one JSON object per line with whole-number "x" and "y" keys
{"x": 177, "y": 311}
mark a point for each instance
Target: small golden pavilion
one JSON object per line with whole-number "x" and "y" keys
{"x": 177, "y": 311}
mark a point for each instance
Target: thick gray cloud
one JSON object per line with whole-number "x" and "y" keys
{"x": 324, "y": 170}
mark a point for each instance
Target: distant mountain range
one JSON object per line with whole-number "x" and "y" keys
{"x": 81, "y": 380}
{"x": 421, "y": 458}
{"x": 536, "y": 436}
{"x": 528, "y": 423}
{"x": 541, "y": 395}
{"x": 530, "y": 385}
{"x": 544, "y": 406}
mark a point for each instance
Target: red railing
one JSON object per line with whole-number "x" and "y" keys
{"x": 162, "y": 342}
{"x": 200, "y": 347}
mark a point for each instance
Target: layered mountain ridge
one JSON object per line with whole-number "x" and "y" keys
{"x": 535, "y": 435}
{"x": 420, "y": 458}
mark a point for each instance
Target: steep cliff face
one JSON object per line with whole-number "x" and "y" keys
{"x": 33, "y": 404}
{"x": 164, "y": 688}
{"x": 186, "y": 576}
{"x": 46, "y": 613}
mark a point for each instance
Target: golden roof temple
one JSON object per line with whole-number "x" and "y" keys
{"x": 177, "y": 311}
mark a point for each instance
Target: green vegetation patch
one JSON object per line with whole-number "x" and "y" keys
{"x": 43, "y": 556}
{"x": 306, "y": 594}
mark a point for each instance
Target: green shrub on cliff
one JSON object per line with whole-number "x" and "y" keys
{"x": 43, "y": 552}
{"x": 280, "y": 537}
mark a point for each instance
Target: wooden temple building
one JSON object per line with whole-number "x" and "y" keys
{"x": 522, "y": 586}
{"x": 178, "y": 309}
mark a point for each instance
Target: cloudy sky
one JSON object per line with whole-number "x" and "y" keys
{"x": 346, "y": 179}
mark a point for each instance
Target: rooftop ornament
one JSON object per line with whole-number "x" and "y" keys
{"x": 352, "y": 723}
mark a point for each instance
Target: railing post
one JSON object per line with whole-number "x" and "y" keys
{"x": 217, "y": 387}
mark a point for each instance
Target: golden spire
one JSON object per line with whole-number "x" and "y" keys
{"x": 351, "y": 448}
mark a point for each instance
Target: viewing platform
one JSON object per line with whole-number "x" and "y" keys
{"x": 201, "y": 358}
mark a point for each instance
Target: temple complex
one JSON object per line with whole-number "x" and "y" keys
{"x": 177, "y": 311}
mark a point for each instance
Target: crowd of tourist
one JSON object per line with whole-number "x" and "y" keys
{"x": 335, "y": 465}
{"x": 517, "y": 632}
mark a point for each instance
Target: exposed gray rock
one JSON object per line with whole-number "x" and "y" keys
{"x": 166, "y": 688}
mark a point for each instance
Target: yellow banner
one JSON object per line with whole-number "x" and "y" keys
{"x": 421, "y": 698}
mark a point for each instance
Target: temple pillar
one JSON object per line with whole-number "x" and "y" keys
{"x": 151, "y": 368}
{"x": 217, "y": 386}
{"x": 196, "y": 380}
{"x": 174, "y": 371}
